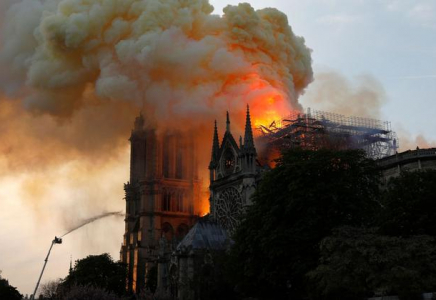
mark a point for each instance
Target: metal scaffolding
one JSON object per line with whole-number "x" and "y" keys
{"x": 318, "y": 129}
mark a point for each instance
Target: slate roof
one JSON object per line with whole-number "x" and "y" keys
{"x": 205, "y": 234}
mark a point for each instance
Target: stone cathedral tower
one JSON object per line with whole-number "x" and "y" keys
{"x": 234, "y": 173}
{"x": 162, "y": 197}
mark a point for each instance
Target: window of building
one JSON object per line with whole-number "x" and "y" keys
{"x": 179, "y": 162}
{"x": 174, "y": 201}
{"x": 166, "y": 201}
{"x": 180, "y": 198}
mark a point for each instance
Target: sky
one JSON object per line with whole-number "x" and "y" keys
{"x": 370, "y": 57}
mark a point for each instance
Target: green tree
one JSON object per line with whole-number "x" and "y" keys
{"x": 98, "y": 271}
{"x": 410, "y": 204}
{"x": 297, "y": 205}
{"x": 357, "y": 263}
{"x": 8, "y": 292}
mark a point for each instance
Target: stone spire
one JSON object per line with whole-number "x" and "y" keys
{"x": 215, "y": 145}
{"x": 248, "y": 137}
{"x": 228, "y": 123}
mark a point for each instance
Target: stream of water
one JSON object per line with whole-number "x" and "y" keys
{"x": 93, "y": 219}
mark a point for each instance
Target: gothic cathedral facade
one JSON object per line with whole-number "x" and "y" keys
{"x": 234, "y": 173}
{"x": 162, "y": 197}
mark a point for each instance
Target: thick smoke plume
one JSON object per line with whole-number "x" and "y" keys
{"x": 174, "y": 58}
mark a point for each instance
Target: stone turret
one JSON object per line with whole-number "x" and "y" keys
{"x": 248, "y": 137}
{"x": 215, "y": 147}
{"x": 215, "y": 152}
{"x": 248, "y": 151}
{"x": 233, "y": 177}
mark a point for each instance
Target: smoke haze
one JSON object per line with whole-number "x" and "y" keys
{"x": 363, "y": 97}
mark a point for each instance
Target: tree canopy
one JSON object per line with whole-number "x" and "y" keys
{"x": 357, "y": 263}
{"x": 296, "y": 205}
{"x": 410, "y": 204}
{"x": 98, "y": 271}
{"x": 7, "y": 291}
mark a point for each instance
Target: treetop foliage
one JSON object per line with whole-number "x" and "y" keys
{"x": 7, "y": 291}
{"x": 296, "y": 205}
{"x": 410, "y": 204}
{"x": 99, "y": 271}
{"x": 322, "y": 226}
{"x": 356, "y": 263}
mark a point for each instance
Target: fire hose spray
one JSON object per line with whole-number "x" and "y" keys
{"x": 58, "y": 240}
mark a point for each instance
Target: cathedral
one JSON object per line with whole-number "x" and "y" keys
{"x": 162, "y": 197}
{"x": 165, "y": 236}
{"x": 163, "y": 228}
{"x": 234, "y": 173}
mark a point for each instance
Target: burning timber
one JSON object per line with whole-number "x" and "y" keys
{"x": 318, "y": 129}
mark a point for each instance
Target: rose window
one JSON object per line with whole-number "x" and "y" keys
{"x": 228, "y": 207}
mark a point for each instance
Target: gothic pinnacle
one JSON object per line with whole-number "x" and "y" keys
{"x": 248, "y": 137}
{"x": 215, "y": 145}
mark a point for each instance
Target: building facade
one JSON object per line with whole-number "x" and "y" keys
{"x": 234, "y": 174}
{"x": 411, "y": 160}
{"x": 162, "y": 197}
{"x": 163, "y": 202}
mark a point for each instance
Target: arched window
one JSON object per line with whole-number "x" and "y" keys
{"x": 166, "y": 161}
{"x": 166, "y": 200}
{"x": 173, "y": 200}
{"x": 179, "y": 201}
{"x": 179, "y": 161}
